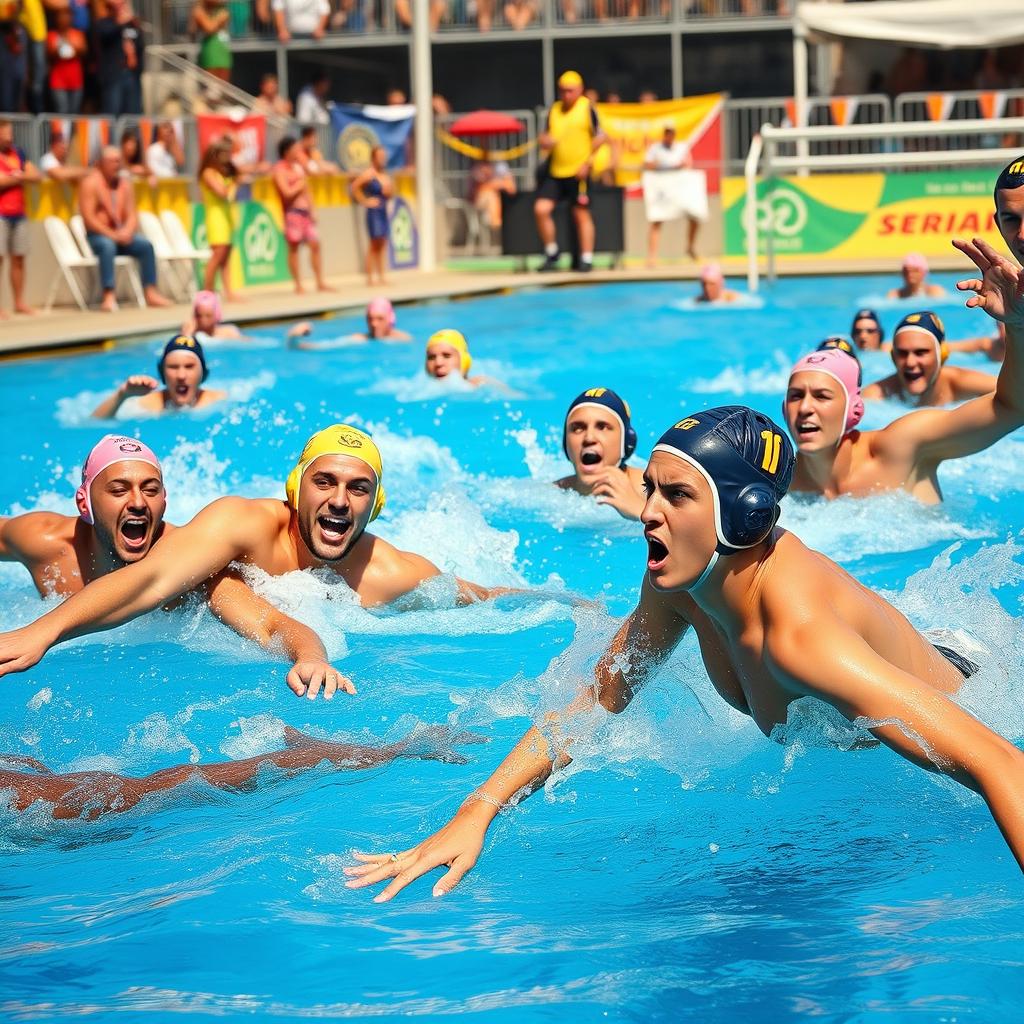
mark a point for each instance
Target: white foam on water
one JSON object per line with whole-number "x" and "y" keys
{"x": 257, "y": 734}
{"x": 740, "y": 380}
{"x": 743, "y": 300}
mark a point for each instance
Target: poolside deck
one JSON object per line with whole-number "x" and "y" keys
{"x": 68, "y": 328}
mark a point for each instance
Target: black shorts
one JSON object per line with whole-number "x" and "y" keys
{"x": 564, "y": 190}
{"x": 963, "y": 665}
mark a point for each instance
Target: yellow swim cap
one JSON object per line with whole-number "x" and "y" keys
{"x": 570, "y": 80}
{"x": 339, "y": 439}
{"x": 456, "y": 340}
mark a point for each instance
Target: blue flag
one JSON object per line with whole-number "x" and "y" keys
{"x": 358, "y": 129}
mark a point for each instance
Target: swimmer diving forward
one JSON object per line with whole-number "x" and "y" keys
{"x": 334, "y": 492}
{"x": 776, "y": 622}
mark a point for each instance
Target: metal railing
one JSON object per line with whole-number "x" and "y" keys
{"x": 765, "y": 155}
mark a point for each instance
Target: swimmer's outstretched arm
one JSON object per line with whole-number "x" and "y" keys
{"x": 133, "y": 387}
{"x": 930, "y": 436}
{"x": 97, "y": 793}
{"x": 638, "y": 650}
{"x": 249, "y": 615}
{"x": 219, "y": 534}
{"x": 829, "y": 660}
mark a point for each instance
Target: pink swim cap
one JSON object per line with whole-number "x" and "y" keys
{"x": 382, "y": 305}
{"x": 841, "y": 368}
{"x": 108, "y": 450}
{"x": 915, "y": 261}
{"x": 712, "y": 272}
{"x": 208, "y": 299}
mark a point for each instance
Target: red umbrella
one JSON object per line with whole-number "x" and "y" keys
{"x": 485, "y": 122}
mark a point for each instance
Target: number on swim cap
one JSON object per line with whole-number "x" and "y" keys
{"x": 595, "y": 392}
{"x": 686, "y": 424}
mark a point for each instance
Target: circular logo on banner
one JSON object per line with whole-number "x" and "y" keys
{"x": 260, "y": 241}
{"x": 784, "y": 212}
{"x": 355, "y": 144}
{"x": 403, "y": 239}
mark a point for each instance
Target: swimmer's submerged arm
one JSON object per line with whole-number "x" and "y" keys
{"x": 639, "y": 648}
{"x": 834, "y": 663}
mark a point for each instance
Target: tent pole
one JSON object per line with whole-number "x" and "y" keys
{"x": 800, "y": 91}
{"x": 422, "y": 95}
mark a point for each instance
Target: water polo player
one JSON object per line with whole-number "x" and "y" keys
{"x": 597, "y": 438}
{"x": 867, "y": 331}
{"x": 776, "y": 622}
{"x": 182, "y": 370}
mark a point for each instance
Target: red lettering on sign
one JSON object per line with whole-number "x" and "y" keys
{"x": 888, "y": 227}
{"x": 931, "y": 222}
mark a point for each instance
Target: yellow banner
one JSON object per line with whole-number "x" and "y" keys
{"x": 633, "y": 127}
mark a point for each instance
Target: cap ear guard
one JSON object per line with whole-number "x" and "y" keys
{"x": 753, "y": 515}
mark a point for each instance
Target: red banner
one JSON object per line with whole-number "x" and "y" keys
{"x": 250, "y": 134}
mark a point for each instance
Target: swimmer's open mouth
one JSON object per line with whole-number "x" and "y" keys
{"x": 134, "y": 532}
{"x": 807, "y": 429}
{"x": 656, "y": 553}
{"x": 334, "y": 528}
{"x": 590, "y": 458}
{"x": 181, "y": 390}
{"x": 912, "y": 375}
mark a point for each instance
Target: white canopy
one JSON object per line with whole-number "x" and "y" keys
{"x": 940, "y": 24}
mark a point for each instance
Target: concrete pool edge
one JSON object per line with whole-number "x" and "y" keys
{"x": 65, "y": 332}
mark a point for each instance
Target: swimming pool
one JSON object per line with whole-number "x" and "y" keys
{"x": 682, "y": 868}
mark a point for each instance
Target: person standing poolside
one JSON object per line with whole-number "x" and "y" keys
{"x": 823, "y": 407}
{"x": 95, "y": 793}
{"x": 776, "y": 623}
{"x": 206, "y": 321}
{"x": 217, "y": 187}
{"x": 208, "y": 23}
{"x": 299, "y": 216}
{"x": 16, "y": 170}
{"x": 922, "y": 378}
{"x": 121, "y": 503}
{"x": 598, "y": 438}
{"x": 669, "y": 155}
{"x": 571, "y": 138}
{"x": 334, "y": 492}
{"x": 372, "y": 189}
{"x": 182, "y": 370}
{"x": 106, "y": 201}
{"x": 867, "y": 331}
{"x": 712, "y": 286}
{"x": 914, "y": 271}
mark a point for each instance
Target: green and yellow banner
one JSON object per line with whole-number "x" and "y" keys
{"x": 859, "y": 216}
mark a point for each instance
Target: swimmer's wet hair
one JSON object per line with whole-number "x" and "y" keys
{"x": 1011, "y": 176}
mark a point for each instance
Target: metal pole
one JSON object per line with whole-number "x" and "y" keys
{"x": 422, "y": 94}
{"x": 676, "y": 42}
{"x": 281, "y": 63}
{"x": 800, "y": 90}
{"x": 547, "y": 56}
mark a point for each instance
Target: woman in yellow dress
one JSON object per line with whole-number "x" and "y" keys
{"x": 217, "y": 186}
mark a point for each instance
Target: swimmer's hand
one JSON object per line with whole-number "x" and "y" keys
{"x": 20, "y": 649}
{"x": 138, "y": 385}
{"x": 300, "y": 330}
{"x": 306, "y": 679}
{"x": 1000, "y": 290}
{"x": 615, "y": 488}
{"x": 457, "y": 847}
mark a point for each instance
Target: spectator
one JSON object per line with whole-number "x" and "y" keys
{"x": 438, "y": 9}
{"x": 269, "y": 101}
{"x": 519, "y": 13}
{"x": 648, "y": 96}
{"x": 488, "y": 180}
{"x": 351, "y": 14}
{"x": 106, "y": 201}
{"x": 15, "y": 171}
{"x": 396, "y": 98}
{"x": 117, "y": 47}
{"x": 81, "y": 15}
{"x": 208, "y": 22}
{"x": 309, "y": 155}
{"x": 33, "y": 17}
{"x": 66, "y": 47}
{"x": 372, "y": 189}
{"x": 311, "y": 105}
{"x": 54, "y": 163}
{"x": 440, "y": 105}
{"x": 300, "y": 18}
{"x": 669, "y": 155}
{"x": 299, "y": 215}
{"x": 13, "y": 61}
{"x": 217, "y": 185}
{"x": 131, "y": 154}
{"x": 165, "y": 157}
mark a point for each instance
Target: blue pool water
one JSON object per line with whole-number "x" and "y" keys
{"x": 684, "y": 868}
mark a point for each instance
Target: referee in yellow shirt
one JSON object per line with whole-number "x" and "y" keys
{"x": 572, "y": 137}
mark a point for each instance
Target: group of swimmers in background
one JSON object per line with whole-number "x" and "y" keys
{"x": 775, "y": 620}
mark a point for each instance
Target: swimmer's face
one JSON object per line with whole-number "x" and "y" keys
{"x": 815, "y": 411}
{"x": 913, "y": 277}
{"x": 711, "y": 289}
{"x": 1010, "y": 218}
{"x": 205, "y": 318}
{"x": 183, "y": 375}
{"x": 377, "y": 325}
{"x": 443, "y": 361}
{"x": 679, "y": 523}
{"x": 335, "y": 501}
{"x": 917, "y": 362}
{"x": 593, "y": 440}
{"x": 866, "y": 334}
{"x": 128, "y": 504}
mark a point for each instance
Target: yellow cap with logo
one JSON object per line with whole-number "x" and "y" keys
{"x": 339, "y": 439}
{"x": 449, "y": 336}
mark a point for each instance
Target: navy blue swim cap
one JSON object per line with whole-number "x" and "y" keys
{"x": 843, "y": 344}
{"x": 183, "y": 343}
{"x": 607, "y": 399}
{"x": 868, "y": 314}
{"x": 748, "y": 461}
{"x": 1011, "y": 176}
{"x": 928, "y": 323}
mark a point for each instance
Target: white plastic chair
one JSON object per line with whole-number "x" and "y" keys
{"x": 69, "y": 259}
{"x": 127, "y": 264}
{"x": 177, "y": 268}
{"x": 181, "y": 244}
